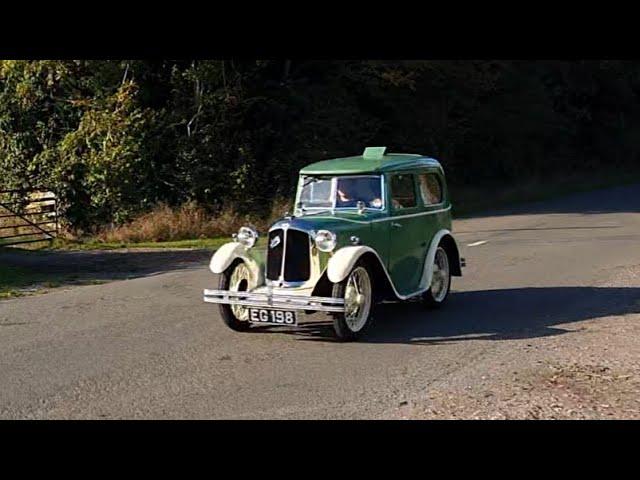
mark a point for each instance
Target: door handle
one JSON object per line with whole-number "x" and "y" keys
{"x": 396, "y": 225}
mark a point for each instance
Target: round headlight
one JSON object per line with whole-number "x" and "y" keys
{"x": 325, "y": 240}
{"x": 247, "y": 236}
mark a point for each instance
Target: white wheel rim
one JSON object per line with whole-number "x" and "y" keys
{"x": 239, "y": 275}
{"x": 440, "y": 280}
{"x": 357, "y": 299}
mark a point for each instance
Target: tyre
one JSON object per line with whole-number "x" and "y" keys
{"x": 440, "y": 281}
{"x": 235, "y": 278}
{"x": 357, "y": 291}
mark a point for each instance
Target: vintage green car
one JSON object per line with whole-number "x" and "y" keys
{"x": 365, "y": 229}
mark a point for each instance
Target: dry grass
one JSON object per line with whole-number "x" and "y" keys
{"x": 189, "y": 221}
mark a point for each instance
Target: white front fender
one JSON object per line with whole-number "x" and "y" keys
{"x": 341, "y": 262}
{"x": 227, "y": 253}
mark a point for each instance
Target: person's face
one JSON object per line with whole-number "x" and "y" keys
{"x": 344, "y": 194}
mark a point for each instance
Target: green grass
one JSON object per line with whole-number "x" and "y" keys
{"x": 199, "y": 243}
{"x": 43, "y": 243}
{"x": 13, "y": 280}
{"x": 91, "y": 244}
{"x": 7, "y": 241}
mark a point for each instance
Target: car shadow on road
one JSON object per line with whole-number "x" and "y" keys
{"x": 506, "y": 314}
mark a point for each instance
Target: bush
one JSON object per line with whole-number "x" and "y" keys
{"x": 116, "y": 138}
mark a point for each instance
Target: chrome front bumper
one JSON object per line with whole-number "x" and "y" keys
{"x": 275, "y": 300}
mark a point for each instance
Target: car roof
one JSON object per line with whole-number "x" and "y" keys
{"x": 362, "y": 164}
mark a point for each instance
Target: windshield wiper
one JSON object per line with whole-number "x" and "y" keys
{"x": 309, "y": 181}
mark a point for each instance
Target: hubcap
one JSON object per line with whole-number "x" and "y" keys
{"x": 357, "y": 299}
{"x": 440, "y": 281}
{"x": 239, "y": 282}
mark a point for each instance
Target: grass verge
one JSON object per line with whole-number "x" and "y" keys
{"x": 93, "y": 244}
{"x": 196, "y": 244}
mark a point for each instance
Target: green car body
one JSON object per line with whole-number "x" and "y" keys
{"x": 397, "y": 240}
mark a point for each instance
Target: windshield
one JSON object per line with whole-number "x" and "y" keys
{"x": 345, "y": 192}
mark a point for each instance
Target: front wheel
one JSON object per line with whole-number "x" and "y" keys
{"x": 440, "y": 280}
{"x": 235, "y": 278}
{"x": 357, "y": 292}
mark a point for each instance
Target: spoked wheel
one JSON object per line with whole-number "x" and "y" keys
{"x": 236, "y": 278}
{"x": 357, "y": 291}
{"x": 440, "y": 282}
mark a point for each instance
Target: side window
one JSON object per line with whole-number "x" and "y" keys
{"x": 430, "y": 189}
{"x": 403, "y": 194}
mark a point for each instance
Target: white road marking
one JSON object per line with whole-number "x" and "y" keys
{"x": 475, "y": 244}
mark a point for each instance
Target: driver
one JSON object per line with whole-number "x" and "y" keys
{"x": 346, "y": 196}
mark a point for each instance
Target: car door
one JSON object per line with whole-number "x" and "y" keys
{"x": 405, "y": 230}
{"x": 432, "y": 197}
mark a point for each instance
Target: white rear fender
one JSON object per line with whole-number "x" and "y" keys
{"x": 427, "y": 274}
{"x": 342, "y": 262}
{"x": 225, "y": 256}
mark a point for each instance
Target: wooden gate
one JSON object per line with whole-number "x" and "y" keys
{"x": 27, "y": 216}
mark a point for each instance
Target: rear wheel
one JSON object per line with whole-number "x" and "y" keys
{"x": 236, "y": 279}
{"x": 357, "y": 292}
{"x": 440, "y": 280}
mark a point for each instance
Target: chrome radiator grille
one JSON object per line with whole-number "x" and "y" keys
{"x": 288, "y": 255}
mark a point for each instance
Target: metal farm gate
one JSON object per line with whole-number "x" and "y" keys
{"x": 27, "y": 216}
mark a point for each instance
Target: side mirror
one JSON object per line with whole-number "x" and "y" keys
{"x": 361, "y": 206}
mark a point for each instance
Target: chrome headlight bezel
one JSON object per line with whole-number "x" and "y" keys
{"x": 247, "y": 236}
{"x": 325, "y": 240}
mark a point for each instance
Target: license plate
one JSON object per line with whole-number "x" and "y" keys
{"x": 278, "y": 317}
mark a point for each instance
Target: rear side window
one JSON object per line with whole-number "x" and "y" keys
{"x": 403, "y": 194}
{"x": 430, "y": 189}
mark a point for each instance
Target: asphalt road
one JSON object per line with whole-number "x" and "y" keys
{"x": 149, "y": 347}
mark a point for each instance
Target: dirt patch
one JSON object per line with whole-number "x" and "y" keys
{"x": 553, "y": 391}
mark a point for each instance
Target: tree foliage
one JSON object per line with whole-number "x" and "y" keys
{"x": 114, "y": 138}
